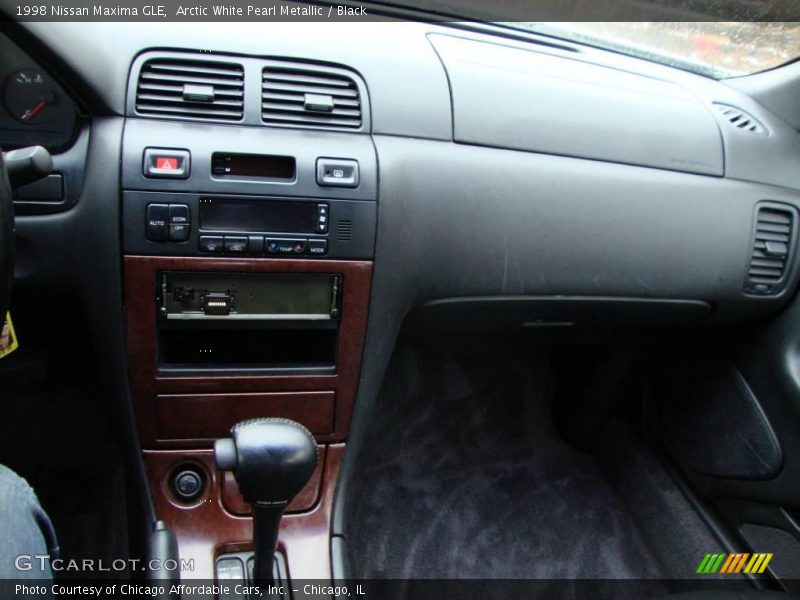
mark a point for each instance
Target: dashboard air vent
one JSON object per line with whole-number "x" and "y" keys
{"x": 771, "y": 249}
{"x": 191, "y": 89}
{"x": 740, "y": 119}
{"x": 303, "y": 95}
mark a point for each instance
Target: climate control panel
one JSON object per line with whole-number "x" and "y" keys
{"x": 201, "y": 189}
{"x": 247, "y": 226}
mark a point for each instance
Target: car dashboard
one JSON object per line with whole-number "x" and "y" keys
{"x": 253, "y": 214}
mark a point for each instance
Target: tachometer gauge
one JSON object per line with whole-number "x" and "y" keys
{"x": 30, "y": 97}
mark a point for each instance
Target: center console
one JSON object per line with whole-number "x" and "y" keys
{"x": 247, "y": 262}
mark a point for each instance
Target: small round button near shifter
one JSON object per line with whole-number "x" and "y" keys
{"x": 187, "y": 483}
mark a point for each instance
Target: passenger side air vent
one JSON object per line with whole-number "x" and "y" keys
{"x": 299, "y": 95}
{"x": 772, "y": 249}
{"x": 191, "y": 89}
{"x": 740, "y": 119}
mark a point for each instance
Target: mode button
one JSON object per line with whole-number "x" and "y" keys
{"x": 318, "y": 247}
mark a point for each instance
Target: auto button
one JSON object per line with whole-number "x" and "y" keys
{"x": 156, "y": 224}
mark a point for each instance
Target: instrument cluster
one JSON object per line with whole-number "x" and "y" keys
{"x": 35, "y": 110}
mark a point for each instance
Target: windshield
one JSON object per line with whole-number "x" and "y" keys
{"x": 715, "y": 48}
{"x": 719, "y": 49}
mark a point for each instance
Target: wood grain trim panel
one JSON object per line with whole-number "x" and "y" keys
{"x": 197, "y": 418}
{"x": 206, "y": 529}
{"x": 139, "y": 281}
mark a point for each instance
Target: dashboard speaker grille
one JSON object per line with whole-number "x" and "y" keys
{"x": 772, "y": 244}
{"x": 344, "y": 230}
{"x": 300, "y": 95}
{"x": 191, "y": 89}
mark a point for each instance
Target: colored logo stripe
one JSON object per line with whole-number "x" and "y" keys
{"x": 711, "y": 563}
{"x": 734, "y": 563}
{"x": 758, "y": 564}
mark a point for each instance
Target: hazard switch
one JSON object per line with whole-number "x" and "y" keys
{"x": 166, "y": 162}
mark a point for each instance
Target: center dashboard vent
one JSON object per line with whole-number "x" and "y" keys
{"x": 772, "y": 248}
{"x": 300, "y": 95}
{"x": 740, "y": 119}
{"x": 191, "y": 89}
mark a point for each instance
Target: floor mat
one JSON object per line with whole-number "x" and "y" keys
{"x": 464, "y": 475}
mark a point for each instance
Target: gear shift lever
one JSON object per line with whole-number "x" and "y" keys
{"x": 271, "y": 459}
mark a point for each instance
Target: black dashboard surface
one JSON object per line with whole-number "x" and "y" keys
{"x": 476, "y": 196}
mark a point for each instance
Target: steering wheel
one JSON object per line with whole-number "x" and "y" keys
{"x": 24, "y": 165}
{"x": 6, "y": 240}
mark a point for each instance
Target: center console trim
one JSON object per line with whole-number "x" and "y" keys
{"x": 208, "y": 528}
{"x": 139, "y": 291}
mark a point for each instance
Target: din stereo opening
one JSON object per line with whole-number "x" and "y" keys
{"x": 244, "y": 322}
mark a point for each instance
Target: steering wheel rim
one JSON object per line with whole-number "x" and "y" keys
{"x": 6, "y": 240}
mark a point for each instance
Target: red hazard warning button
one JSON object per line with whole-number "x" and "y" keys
{"x": 166, "y": 162}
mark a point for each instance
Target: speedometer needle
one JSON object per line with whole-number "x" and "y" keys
{"x": 29, "y": 114}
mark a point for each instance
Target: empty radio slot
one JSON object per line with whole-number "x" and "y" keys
{"x": 249, "y": 296}
{"x": 239, "y": 349}
{"x": 248, "y": 321}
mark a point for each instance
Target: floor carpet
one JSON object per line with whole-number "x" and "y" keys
{"x": 464, "y": 475}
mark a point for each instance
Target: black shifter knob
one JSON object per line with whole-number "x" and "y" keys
{"x": 271, "y": 459}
